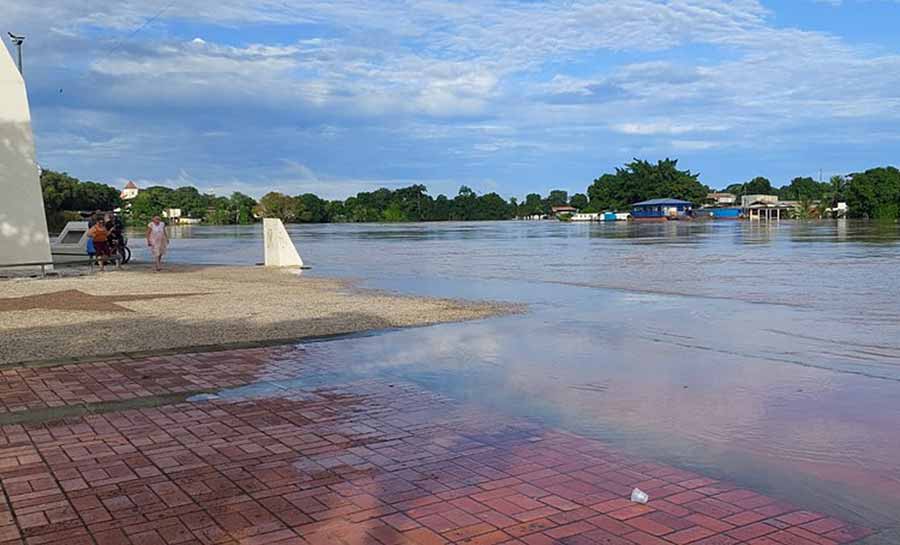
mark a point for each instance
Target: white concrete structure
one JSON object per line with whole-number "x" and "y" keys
{"x": 280, "y": 249}
{"x": 71, "y": 245}
{"x": 23, "y": 225}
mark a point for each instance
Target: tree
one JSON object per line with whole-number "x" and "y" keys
{"x": 441, "y": 209}
{"x": 837, "y": 189}
{"x": 312, "y": 209}
{"x": 189, "y": 200}
{"x": 413, "y": 202}
{"x": 242, "y": 207}
{"x": 804, "y": 189}
{"x": 393, "y": 213}
{"x": 336, "y": 211}
{"x": 641, "y": 180}
{"x": 150, "y": 202}
{"x": 492, "y": 206}
{"x": 514, "y": 206}
{"x": 63, "y": 192}
{"x": 758, "y": 186}
{"x": 736, "y": 189}
{"x": 219, "y": 211}
{"x": 579, "y": 201}
{"x": 463, "y": 205}
{"x": 276, "y": 205}
{"x": 533, "y": 205}
{"x": 875, "y": 194}
{"x": 57, "y": 189}
{"x": 558, "y": 197}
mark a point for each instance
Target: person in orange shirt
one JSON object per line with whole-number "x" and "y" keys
{"x": 100, "y": 235}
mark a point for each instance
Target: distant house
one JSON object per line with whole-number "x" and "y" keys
{"x": 747, "y": 200}
{"x": 130, "y": 192}
{"x": 172, "y": 214}
{"x": 661, "y": 210}
{"x": 586, "y": 216}
{"x": 840, "y": 210}
{"x": 766, "y": 207}
{"x": 564, "y": 209}
{"x": 175, "y": 217}
{"x": 721, "y": 199}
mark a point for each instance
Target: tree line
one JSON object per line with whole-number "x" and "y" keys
{"x": 874, "y": 194}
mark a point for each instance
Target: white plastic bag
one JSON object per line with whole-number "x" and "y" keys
{"x": 639, "y": 496}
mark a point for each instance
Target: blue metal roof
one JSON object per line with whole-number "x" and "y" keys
{"x": 660, "y": 202}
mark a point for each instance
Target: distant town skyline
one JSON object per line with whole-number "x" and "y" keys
{"x": 515, "y": 97}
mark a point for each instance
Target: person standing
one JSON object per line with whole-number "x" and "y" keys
{"x": 100, "y": 235}
{"x": 157, "y": 240}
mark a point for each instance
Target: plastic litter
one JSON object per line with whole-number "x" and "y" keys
{"x": 639, "y": 496}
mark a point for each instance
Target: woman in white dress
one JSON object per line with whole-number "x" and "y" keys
{"x": 157, "y": 240}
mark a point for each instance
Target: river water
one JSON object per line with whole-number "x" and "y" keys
{"x": 764, "y": 354}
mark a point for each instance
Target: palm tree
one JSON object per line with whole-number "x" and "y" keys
{"x": 808, "y": 210}
{"x": 837, "y": 190}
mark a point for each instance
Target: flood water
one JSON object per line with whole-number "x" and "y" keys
{"x": 764, "y": 354}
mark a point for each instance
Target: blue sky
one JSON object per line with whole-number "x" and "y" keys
{"x": 514, "y": 96}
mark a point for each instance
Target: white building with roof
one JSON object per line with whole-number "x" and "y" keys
{"x": 131, "y": 191}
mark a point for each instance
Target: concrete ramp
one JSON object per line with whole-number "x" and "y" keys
{"x": 280, "y": 249}
{"x": 23, "y": 225}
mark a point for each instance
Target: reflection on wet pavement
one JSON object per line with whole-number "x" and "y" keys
{"x": 759, "y": 353}
{"x": 360, "y": 461}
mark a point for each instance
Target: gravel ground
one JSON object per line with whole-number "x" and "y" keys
{"x": 208, "y": 306}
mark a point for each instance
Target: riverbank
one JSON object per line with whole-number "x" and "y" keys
{"x": 188, "y": 307}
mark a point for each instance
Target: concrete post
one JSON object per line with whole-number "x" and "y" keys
{"x": 279, "y": 248}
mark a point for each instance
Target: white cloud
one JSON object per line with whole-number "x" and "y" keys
{"x": 694, "y": 145}
{"x": 665, "y": 127}
{"x": 463, "y": 83}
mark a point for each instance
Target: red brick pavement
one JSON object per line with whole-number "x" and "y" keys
{"x": 362, "y": 463}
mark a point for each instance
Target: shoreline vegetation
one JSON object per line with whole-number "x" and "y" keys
{"x": 206, "y": 307}
{"x": 873, "y": 194}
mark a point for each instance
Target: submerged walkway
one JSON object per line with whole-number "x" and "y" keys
{"x": 125, "y": 452}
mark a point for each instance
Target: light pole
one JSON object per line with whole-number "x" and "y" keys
{"x": 17, "y": 41}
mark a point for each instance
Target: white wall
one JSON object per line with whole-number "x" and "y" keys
{"x": 23, "y": 226}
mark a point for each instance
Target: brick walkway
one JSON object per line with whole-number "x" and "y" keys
{"x": 369, "y": 462}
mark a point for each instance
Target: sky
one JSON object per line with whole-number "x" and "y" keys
{"x": 335, "y": 97}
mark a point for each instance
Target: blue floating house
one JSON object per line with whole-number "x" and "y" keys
{"x": 718, "y": 213}
{"x": 662, "y": 209}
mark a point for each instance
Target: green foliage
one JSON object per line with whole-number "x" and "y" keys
{"x": 242, "y": 207}
{"x": 837, "y": 190}
{"x": 558, "y": 197}
{"x": 757, "y": 186}
{"x": 579, "y": 201}
{"x": 533, "y": 204}
{"x": 874, "y": 194}
{"x": 640, "y": 181}
{"x": 63, "y": 192}
{"x": 150, "y": 202}
{"x": 804, "y": 189}
{"x": 393, "y": 213}
{"x": 277, "y": 205}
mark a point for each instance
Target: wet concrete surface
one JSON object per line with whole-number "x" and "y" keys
{"x": 293, "y": 450}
